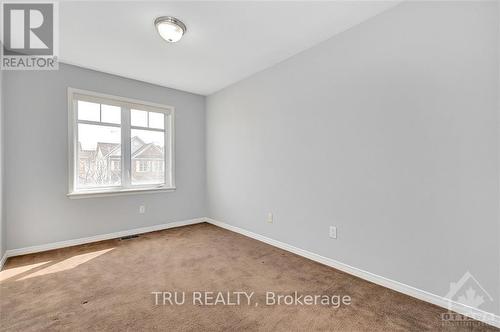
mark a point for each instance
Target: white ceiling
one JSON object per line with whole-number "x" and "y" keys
{"x": 225, "y": 41}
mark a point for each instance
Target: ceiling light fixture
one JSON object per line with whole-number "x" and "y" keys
{"x": 170, "y": 28}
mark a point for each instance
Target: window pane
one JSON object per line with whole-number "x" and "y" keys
{"x": 156, "y": 120}
{"x": 148, "y": 157}
{"x": 139, "y": 118}
{"x": 111, "y": 114}
{"x": 99, "y": 156}
{"x": 88, "y": 111}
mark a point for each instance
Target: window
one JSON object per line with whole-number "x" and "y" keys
{"x": 116, "y": 165}
{"x": 118, "y": 145}
{"x": 157, "y": 166}
{"x": 142, "y": 166}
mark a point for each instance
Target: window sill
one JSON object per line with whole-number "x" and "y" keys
{"x": 119, "y": 192}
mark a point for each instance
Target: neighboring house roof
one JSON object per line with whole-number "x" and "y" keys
{"x": 107, "y": 149}
{"x": 138, "y": 147}
{"x": 136, "y": 144}
{"x": 148, "y": 151}
{"x": 85, "y": 153}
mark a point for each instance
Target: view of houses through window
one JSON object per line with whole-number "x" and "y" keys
{"x": 99, "y": 155}
{"x": 101, "y": 166}
{"x": 147, "y": 157}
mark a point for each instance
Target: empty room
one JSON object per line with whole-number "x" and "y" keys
{"x": 250, "y": 165}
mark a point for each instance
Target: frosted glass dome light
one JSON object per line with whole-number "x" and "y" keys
{"x": 170, "y": 28}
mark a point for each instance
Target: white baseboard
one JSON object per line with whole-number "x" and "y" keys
{"x": 462, "y": 309}
{"x": 2, "y": 261}
{"x": 96, "y": 238}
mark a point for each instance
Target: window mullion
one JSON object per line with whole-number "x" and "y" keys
{"x": 126, "y": 149}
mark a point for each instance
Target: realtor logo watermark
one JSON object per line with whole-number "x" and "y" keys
{"x": 29, "y": 36}
{"x": 468, "y": 291}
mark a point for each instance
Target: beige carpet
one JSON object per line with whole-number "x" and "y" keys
{"x": 108, "y": 286}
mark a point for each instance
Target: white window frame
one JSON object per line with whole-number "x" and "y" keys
{"x": 126, "y": 105}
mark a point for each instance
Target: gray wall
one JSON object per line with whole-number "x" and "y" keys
{"x": 36, "y": 159}
{"x": 2, "y": 219}
{"x": 388, "y": 131}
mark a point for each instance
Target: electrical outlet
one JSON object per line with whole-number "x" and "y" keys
{"x": 270, "y": 218}
{"x": 333, "y": 232}
{"x": 142, "y": 209}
